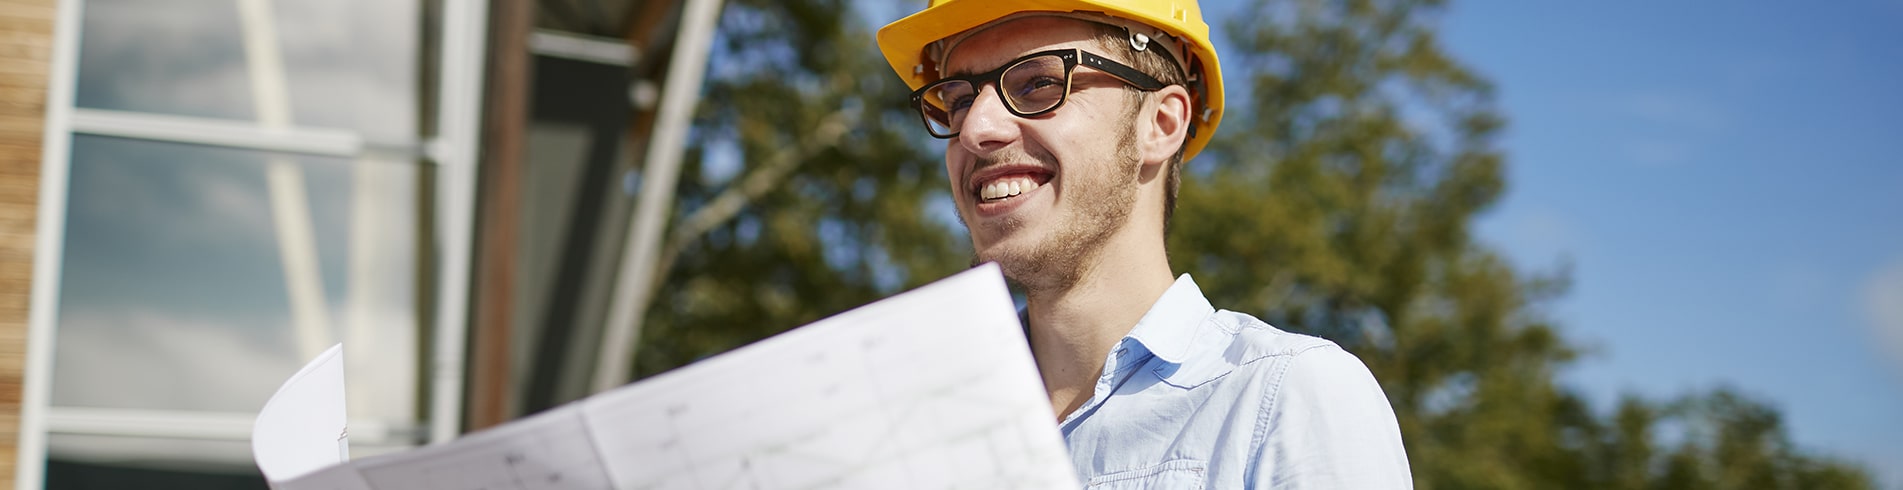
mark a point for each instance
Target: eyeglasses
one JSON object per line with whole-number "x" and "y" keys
{"x": 1030, "y": 86}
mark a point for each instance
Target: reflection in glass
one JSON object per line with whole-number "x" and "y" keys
{"x": 173, "y": 293}
{"x": 86, "y": 462}
{"x": 350, "y": 64}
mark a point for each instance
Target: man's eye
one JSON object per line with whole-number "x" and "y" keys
{"x": 960, "y": 103}
{"x": 1036, "y": 84}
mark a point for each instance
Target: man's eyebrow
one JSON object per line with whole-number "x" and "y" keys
{"x": 961, "y": 72}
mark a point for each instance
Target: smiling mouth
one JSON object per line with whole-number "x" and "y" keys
{"x": 1006, "y": 187}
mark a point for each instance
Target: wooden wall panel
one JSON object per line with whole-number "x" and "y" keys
{"x": 26, "y": 53}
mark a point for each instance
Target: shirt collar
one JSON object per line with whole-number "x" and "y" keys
{"x": 1170, "y": 327}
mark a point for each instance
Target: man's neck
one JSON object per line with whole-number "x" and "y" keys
{"x": 1072, "y": 330}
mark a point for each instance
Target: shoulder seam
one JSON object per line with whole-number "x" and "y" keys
{"x": 1271, "y": 397}
{"x": 1312, "y": 342}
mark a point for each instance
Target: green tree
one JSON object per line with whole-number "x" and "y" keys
{"x": 1725, "y": 441}
{"x": 1336, "y": 200}
{"x": 830, "y": 204}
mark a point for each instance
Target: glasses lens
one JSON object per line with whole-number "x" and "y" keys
{"x": 1035, "y": 85}
{"x": 943, "y": 104}
{"x": 936, "y": 122}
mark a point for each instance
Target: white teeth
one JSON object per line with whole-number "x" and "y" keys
{"x": 1007, "y": 187}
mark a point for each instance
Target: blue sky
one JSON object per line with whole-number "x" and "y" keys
{"x": 1724, "y": 179}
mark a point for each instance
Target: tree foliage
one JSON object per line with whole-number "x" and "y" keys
{"x": 1336, "y": 200}
{"x": 805, "y": 127}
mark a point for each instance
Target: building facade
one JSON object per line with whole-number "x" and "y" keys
{"x": 198, "y": 195}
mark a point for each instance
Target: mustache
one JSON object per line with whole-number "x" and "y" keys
{"x": 1010, "y": 156}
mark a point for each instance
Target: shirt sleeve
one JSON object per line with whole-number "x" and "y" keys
{"x": 1326, "y": 424}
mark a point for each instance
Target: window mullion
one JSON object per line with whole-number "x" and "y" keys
{"x": 216, "y": 132}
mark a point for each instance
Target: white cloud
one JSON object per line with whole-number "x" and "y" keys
{"x": 1883, "y": 304}
{"x": 170, "y": 360}
{"x": 223, "y": 355}
{"x": 186, "y": 203}
{"x": 230, "y": 202}
{"x": 350, "y": 63}
{"x": 156, "y": 360}
{"x": 159, "y": 360}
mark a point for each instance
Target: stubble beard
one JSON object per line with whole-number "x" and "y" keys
{"x": 1101, "y": 202}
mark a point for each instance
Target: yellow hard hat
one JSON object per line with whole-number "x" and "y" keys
{"x": 912, "y": 44}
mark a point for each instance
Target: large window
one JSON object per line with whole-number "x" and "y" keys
{"x": 247, "y": 183}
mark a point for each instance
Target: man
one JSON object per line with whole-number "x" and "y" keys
{"x": 1067, "y": 122}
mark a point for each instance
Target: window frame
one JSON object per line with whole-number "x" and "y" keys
{"x": 448, "y": 157}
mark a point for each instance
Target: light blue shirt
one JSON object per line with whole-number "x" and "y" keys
{"x": 1195, "y": 398}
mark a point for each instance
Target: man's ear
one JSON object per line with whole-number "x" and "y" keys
{"x": 1168, "y": 126}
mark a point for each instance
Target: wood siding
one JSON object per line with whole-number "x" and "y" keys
{"x": 26, "y": 54}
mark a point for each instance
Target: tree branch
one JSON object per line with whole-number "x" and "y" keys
{"x": 734, "y": 198}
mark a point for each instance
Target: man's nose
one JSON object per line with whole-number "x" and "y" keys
{"x": 988, "y": 125}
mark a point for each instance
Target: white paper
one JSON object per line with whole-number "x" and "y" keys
{"x": 302, "y": 427}
{"x": 548, "y": 451}
{"x": 933, "y": 388}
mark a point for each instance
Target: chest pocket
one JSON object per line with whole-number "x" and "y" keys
{"x": 1171, "y": 475}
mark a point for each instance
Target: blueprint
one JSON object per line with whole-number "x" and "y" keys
{"x": 302, "y": 427}
{"x": 930, "y": 389}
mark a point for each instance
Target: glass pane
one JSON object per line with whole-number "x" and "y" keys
{"x": 349, "y": 64}
{"x": 84, "y": 462}
{"x": 173, "y": 292}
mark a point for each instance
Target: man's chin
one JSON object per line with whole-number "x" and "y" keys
{"x": 1023, "y": 269}
{"x": 1002, "y": 253}
{"x": 987, "y": 255}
